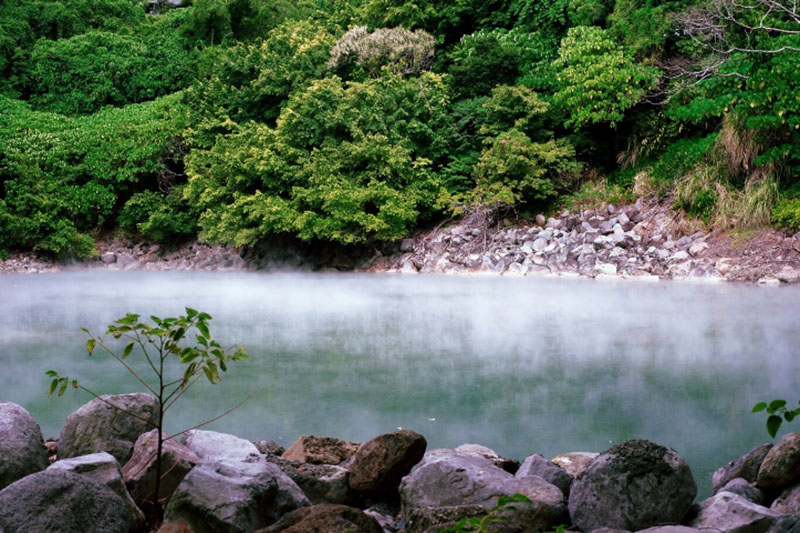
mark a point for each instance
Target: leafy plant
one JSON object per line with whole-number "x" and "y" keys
{"x": 778, "y": 412}
{"x": 162, "y": 342}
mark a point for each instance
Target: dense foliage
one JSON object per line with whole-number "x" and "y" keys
{"x": 361, "y": 121}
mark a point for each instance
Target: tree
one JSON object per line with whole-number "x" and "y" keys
{"x": 161, "y": 341}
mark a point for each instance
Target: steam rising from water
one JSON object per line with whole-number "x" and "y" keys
{"x": 520, "y": 365}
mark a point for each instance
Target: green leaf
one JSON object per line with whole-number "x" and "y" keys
{"x": 773, "y": 425}
{"x": 760, "y": 406}
{"x": 774, "y": 405}
{"x": 128, "y": 350}
{"x": 209, "y": 374}
{"x": 51, "y": 373}
{"x": 53, "y": 385}
{"x": 90, "y": 345}
{"x": 203, "y": 328}
{"x": 63, "y": 387}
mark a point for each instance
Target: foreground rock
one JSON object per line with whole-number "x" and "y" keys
{"x": 103, "y": 468}
{"x": 320, "y": 483}
{"x": 446, "y": 488}
{"x": 634, "y": 485}
{"x": 22, "y": 449}
{"x": 325, "y": 518}
{"x": 212, "y": 446}
{"x": 65, "y": 502}
{"x": 140, "y": 472}
{"x": 730, "y": 513}
{"x": 536, "y": 465}
{"x": 745, "y": 467}
{"x": 781, "y": 465}
{"x": 233, "y": 496}
{"x": 379, "y": 464}
{"x": 99, "y": 427}
{"x": 320, "y": 450}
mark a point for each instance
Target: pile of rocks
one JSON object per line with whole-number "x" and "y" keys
{"x": 218, "y": 482}
{"x": 644, "y": 240}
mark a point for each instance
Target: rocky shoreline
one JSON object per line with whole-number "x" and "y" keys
{"x": 645, "y": 240}
{"x": 99, "y": 476}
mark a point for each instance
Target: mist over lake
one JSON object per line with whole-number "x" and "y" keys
{"x": 520, "y": 365}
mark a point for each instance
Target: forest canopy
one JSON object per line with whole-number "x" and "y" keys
{"x": 362, "y": 121}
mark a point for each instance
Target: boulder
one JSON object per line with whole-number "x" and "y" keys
{"x": 536, "y": 465}
{"x": 321, "y": 450}
{"x": 62, "y": 501}
{"x": 212, "y": 446}
{"x": 99, "y": 427}
{"x": 233, "y": 496}
{"x": 726, "y": 512}
{"x": 788, "y": 502}
{"x": 140, "y": 472}
{"x": 476, "y": 450}
{"x": 22, "y": 449}
{"x": 670, "y": 529}
{"x": 744, "y": 489}
{"x": 781, "y": 466}
{"x": 320, "y": 483}
{"x": 574, "y": 463}
{"x": 103, "y": 468}
{"x": 449, "y": 487}
{"x": 633, "y": 485}
{"x": 329, "y": 518}
{"x": 269, "y": 447}
{"x": 380, "y": 463}
{"x": 745, "y": 467}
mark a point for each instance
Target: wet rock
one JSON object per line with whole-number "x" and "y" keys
{"x": 744, "y": 489}
{"x": 781, "y": 465}
{"x": 730, "y": 513}
{"x": 139, "y": 472}
{"x": 321, "y": 450}
{"x": 326, "y": 518}
{"x": 745, "y": 467}
{"x": 634, "y": 485}
{"x": 103, "y": 468}
{"x": 233, "y": 496}
{"x": 104, "y": 425}
{"x": 212, "y": 446}
{"x": 22, "y": 449}
{"x": 449, "y": 487}
{"x": 536, "y": 465}
{"x": 62, "y": 501}
{"x": 380, "y": 463}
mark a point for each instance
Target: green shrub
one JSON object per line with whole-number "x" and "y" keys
{"x": 159, "y": 217}
{"x": 402, "y": 51}
{"x": 786, "y": 214}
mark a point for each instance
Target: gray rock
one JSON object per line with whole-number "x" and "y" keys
{"x": 540, "y": 220}
{"x": 788, "y": 274}
{"x": 212, "y": 446}
{"x": 745, "y": 467}
{"x": 62, "y": 501}
{"x": 744, "y": 489}
{"x": 680, "y": 256}
{"x": 476, "y": 450}
{"x": 22, "y": 449}
{"x": 781, "y": 466}
{"x": 139, "y": 472}
{"x": 608, "y": 269}
{"x": 536, "y": 465}
{"x": 554, "y": 223}
{"x": 407, "y": 245}
{"x": 99, "y": 427}
{"x": 698, "y": 248}
{"x": 233, "y": 496}
{"x": 670, "y": 529}
{"x": 326, "y": 518}
{"x": 269, "y": 447}
{"x": 109, "y": 258}
{"x": 320, "y": 483}
{"x": 103, "y": 468}
{"x": 605, "y": 227}
{"x": 788, "y": 502}
{"x": 634, "y": 485}
{"x": 730, "y": 513}
{"x": 449, "y": 487}
{"x": 539, "y": 244}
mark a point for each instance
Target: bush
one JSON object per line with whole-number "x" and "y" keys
{"x": 786, "y": 214}
{"x": 159, "y": 217}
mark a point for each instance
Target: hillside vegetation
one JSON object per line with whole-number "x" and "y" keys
{"x": 360, "y": 121}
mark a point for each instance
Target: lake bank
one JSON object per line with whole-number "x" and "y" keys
{"x": 644, "y": 240}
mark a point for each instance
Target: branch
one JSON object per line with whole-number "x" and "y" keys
{"x": 229, "y": 411}
{"x": 131, "y": 370}
{"x": 134, "y": 415}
